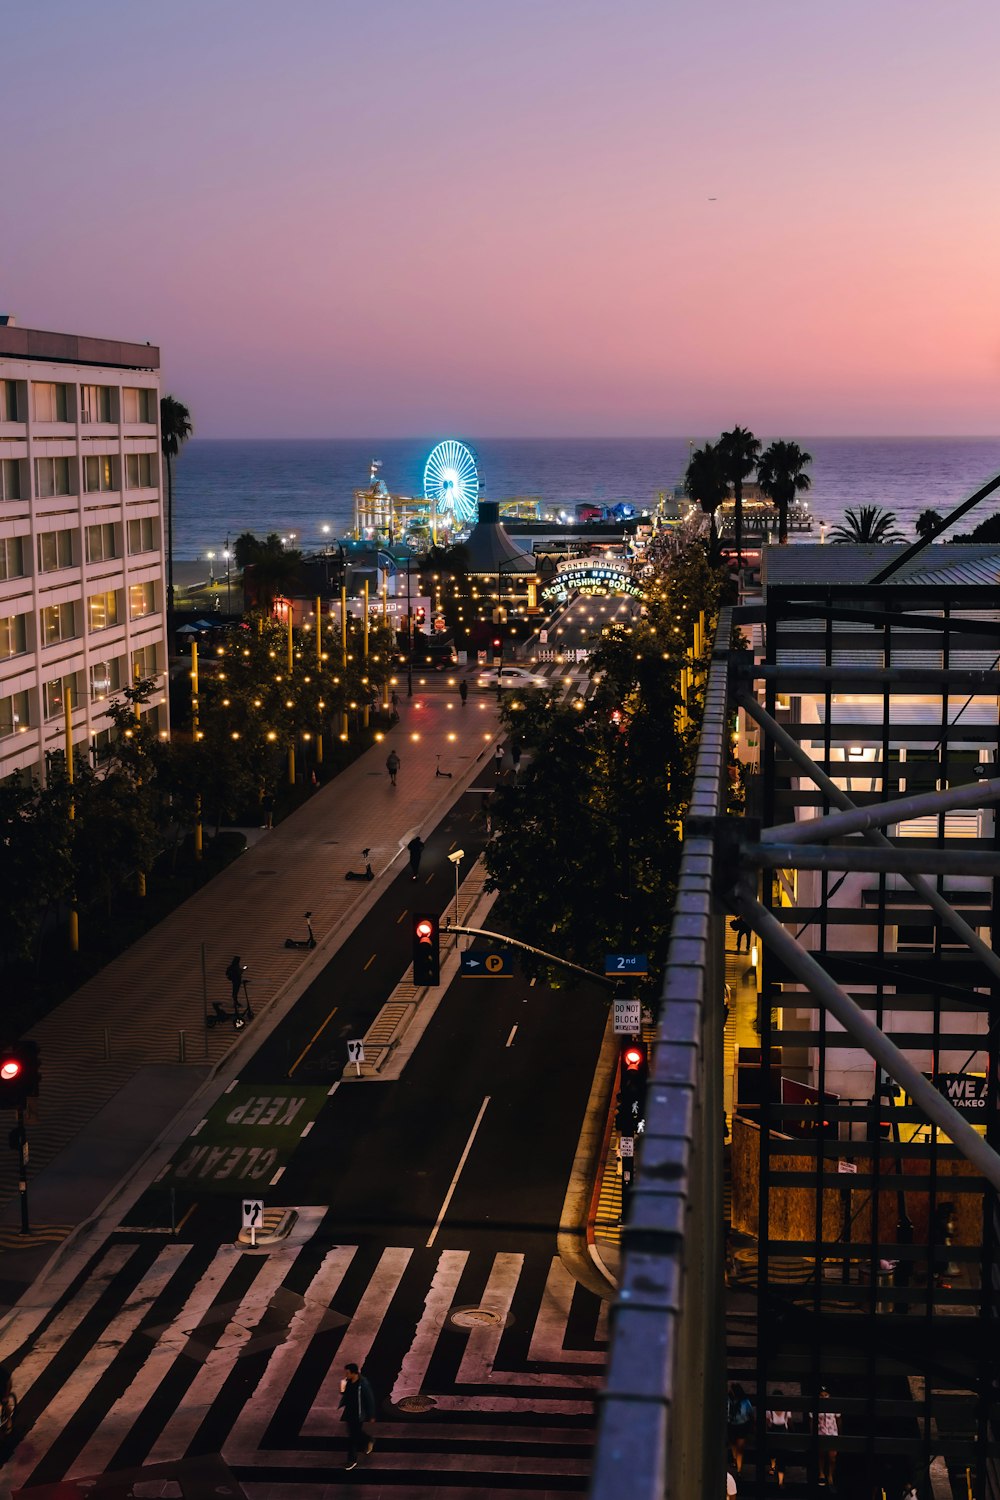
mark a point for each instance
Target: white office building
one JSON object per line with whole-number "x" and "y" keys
{"x": 82, "y": 592}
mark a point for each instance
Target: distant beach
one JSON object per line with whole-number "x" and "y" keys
{"x": 225, "y": 486}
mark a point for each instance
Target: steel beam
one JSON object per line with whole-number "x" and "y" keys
{"x": 893, "y": 861}
{"x": 878, "y": 814}
{"x": 935, "y": 531}
{"x": 869, "y": 1036}
{"x": 792, "y": 679}
{"x": 933, "y": 898}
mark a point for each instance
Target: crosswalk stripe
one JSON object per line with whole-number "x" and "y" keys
{"x": 484, "y": 1338}
{"x": 247, "y": 1435}
{"x": 323, "y": 1419}
{"x": 52, "y": 1420}
{"x": 440, "y": 1296}
{"x": 99, "y": 1453}
{"x": 182, "y": 1427}
{"x": 25, "y": 1321}
{"x": 550, "y": 1326}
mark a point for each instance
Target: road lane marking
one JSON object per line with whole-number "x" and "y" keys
{"x": 199, "y": 1126}
{"x": 437, "y": 1305}
{"x": 187, "y": 1216}
{"x": 512, "y": 1031}
{"x": 324, "y": 1418}
{"x": 229, "y": 1090}
{"x": 369, "y": 963}
{"x": 311, "y": 1043}
{"x": 279, "y": 1173}
{"x": 458, "y": 1172}
{"x": 532, "y": 983}
{"x": 401, "y": 916}
{"x": 331, "y": 1091}
{"x": 307, "y": 1129}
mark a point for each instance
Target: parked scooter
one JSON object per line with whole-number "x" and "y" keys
{"x": 367, "y": 874}
{"x": 306, "y": 942}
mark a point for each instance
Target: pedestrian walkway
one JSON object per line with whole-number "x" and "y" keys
{"x": 123, "y": 1053}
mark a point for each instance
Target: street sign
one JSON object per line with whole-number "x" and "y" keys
{"x": 253, "y": 1212}
{"x": 627, "y": 1017}
{"x": 626, "y": 1146}
{"x": 356, "y": 1053}
{"x": 485, "y": 963}
{"x": 846, "y": 1166}
{"x": 626, "y": 963}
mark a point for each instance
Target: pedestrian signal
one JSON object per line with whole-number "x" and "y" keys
{"x": 426, "y": 949}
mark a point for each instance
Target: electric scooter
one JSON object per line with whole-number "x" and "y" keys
{"x": 369, "y": 873}
{"x": 306, "y": 942}
{"x": 239, "y": 1015}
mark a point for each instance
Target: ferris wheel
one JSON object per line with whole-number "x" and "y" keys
{"x": 451, "y": 481}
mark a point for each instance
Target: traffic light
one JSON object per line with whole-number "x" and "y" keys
{"x": 426, "y": 949}
{"x": 632, "y": 1096}
{"x": 19, "y": 1075}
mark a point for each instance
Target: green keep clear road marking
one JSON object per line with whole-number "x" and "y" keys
{"x": 246, "y": 1136}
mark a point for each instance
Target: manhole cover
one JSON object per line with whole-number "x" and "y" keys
{"x": 416, "y": 1403}
{"x": 472, "y": 1317}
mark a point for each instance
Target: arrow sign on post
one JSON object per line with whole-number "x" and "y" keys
{"x": 253, "y": 1213}
{"x": 356, "y": 1053}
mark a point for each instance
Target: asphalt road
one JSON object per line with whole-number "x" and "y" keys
{"x": 441, "y": 1190}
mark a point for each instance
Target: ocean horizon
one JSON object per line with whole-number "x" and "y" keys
{"x": 223, "y": 486}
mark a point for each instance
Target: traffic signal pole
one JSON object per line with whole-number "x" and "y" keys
{"x": 551, "y": 958}
{"x": 22, "y": 1168}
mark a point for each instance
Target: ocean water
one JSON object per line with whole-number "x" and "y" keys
{"x": 223, "y": 487}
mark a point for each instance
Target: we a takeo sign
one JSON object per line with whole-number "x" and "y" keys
{"x": 966, "y": 1091}
{"x": 576, "y": 576}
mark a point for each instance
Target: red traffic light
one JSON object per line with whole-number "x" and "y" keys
{"x": 496, "y": 643}
{"x": 424, "y": 931}
{"x": 634, "y": 1057}
{"x": 10, "y": 1069}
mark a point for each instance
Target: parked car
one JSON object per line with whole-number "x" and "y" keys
{"x": 511, "y": 677}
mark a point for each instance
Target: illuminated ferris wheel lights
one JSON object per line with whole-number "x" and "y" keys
{"x": 451, "y": 481}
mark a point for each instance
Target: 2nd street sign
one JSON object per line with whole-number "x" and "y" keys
{"x": 626, "y": 963}
{"x": 627, "y": 1017}
{"x": 484, "y": 963}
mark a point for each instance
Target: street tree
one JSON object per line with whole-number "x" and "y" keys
{"x": 705, "y": 482}
{"x": 175, "y": 429}
{"x": 868, "y": 524}
{"x": 740, "y": 452}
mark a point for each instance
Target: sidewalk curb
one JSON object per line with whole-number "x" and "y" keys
{"x": 575, "y": 1238}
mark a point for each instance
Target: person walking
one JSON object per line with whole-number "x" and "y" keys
{"x": 739, "y": 1419}
{"x": 742, "y": 931}
{"x": 498, "y": 762}
{"x": 416, "y": 848}
{"x": 777, "y": 1421}
{"x": 463, "y": 691}
{"x": 827, "y": 1426}
{"x": 394, "y": 700}
{"x": 358, "y": 1406}
{"x": 515, "y": 755}
{"x": 267, "y": 808}
{"x": 392, "y": 764}
{"x": 234, "y": 973}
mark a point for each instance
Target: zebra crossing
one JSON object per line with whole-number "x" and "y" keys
{"x": 484, "y": 1363}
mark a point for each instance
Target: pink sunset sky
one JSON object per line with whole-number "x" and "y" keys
{"x": 518, "y": 217}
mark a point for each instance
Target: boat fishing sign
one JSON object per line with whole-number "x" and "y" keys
{"x": 580, "y": 576}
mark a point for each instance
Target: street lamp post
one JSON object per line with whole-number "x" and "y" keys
{"x": 409, "y": 625}
{"x": 229, "y": 592}
{"x": 456, "y": 859}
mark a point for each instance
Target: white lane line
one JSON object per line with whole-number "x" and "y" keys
{"x": 183, "y": 1423}
{"x": 200, "y": 1126}
{"x": 330, "y": 1092}
{"x": 549, "y": 1332}
{"x": 513, "y": 1029}
{"x": 532, "y": 983}
{"x": 324, "y": 1418}
{"x": 279, "y": 1173}
{"x": 47, "y": 1346}
{"x": 484, "y": 1339}
{"x": 229, "y": 1090}
{"x": 106, "y": 1348}
{"x": 306, "y": 1129}
{"x": 247, "y": 1434}
{"x": 441, "y": 1294}
{"x": 458, "y": 1172}
{"x": 97, "y": 1456}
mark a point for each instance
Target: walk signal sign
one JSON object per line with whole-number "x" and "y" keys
{"x": 426, "y": 949}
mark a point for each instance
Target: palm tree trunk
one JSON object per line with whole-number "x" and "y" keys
{"x": 738, "y": 520}
{"x": 782, "y": 520}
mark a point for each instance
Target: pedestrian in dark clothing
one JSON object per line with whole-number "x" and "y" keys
{"x": 416, "y": 848}
{"x": 515, "y": 755}
{"x": 234, "y": 974}
{"x": 394, "y": 700}
{"x": 463, "y": 691}
{"x": 267, "y": 809}
{"x": 392, "y": 764}
{"x": 742, "y": 931}
{"x": 498, "y": 761}
{"x": 487, "y": 812}
{"x": 358, "y": 1406}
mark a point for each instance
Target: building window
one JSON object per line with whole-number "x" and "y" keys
{"x": 11, "y": 557}
{"x": 13, "y": 635}
{"x": 51, "y": 402}
{"x": 139, "y": 404}
{"x": 140, "y": 471}
{"x": 140, "y": 600}
{"x": 143, "y": 535}
{"x": 144, "y": 662}
{"x": 105, "y": 678}
{"x": 10, "y": 479}
{"x": 102, "y": 542}
{"x": 54, "y": 694}
{"x": 9, "y": 406}
{"x": 55, "y": 550}
{"x": 102, "y": 610}
{"x": 98, "y": 472}
{"x": 52, "y": 477}
{"x": 15, "y": 714}
{"x": 58, "y": 623}
{"x": 95, "y": 403}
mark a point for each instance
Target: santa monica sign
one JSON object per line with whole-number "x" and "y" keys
{"x": 577, "y": 576}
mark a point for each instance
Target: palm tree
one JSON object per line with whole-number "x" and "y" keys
{"x": 740, "y": 450}
{"x": 926, "y": 522}
{"x": 869, "y": 523}
{"x": 705, "y": 482}
{"x": 781, "y": 476}
{"x": 175, "y": 429}
{"x": 273, "y": 571}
